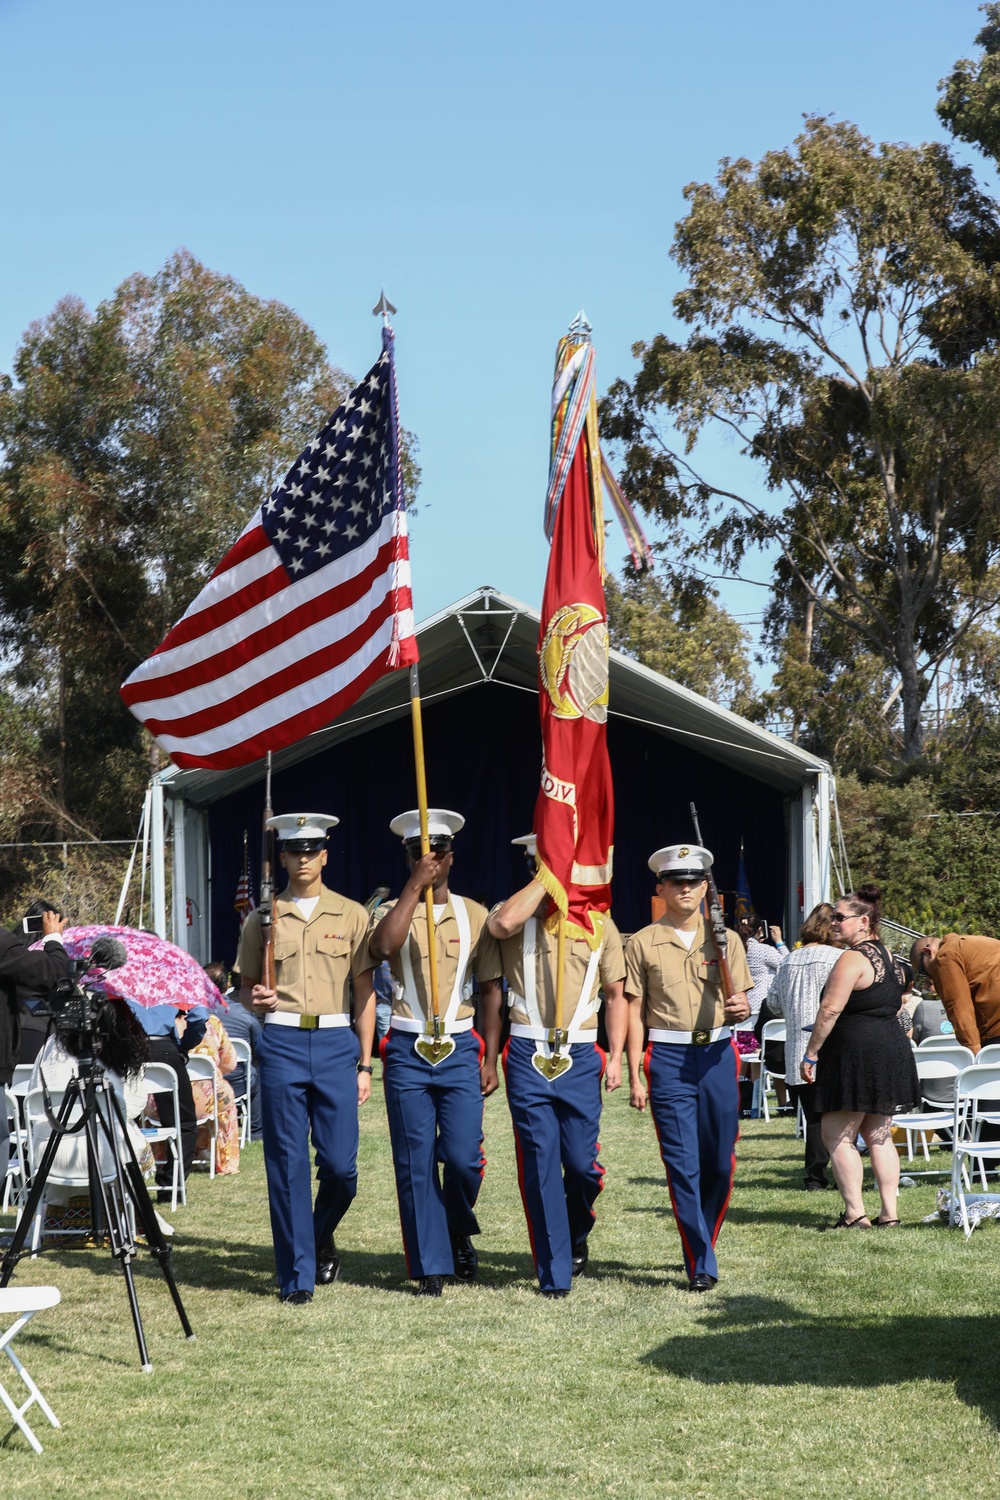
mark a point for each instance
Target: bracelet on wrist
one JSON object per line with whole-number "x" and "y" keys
{"x": 812, "y": 1061}
{"x": 365, "y": 1068}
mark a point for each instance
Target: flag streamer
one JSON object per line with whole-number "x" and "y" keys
{"x": 574, "y": 407}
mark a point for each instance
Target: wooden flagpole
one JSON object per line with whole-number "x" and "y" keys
{"x": 425, "y": 841}
{"x": 267, "y": 975}
{"x": 439, "y": 1046}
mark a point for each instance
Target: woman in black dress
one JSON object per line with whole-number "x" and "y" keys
{"x": 861, "y": 1061}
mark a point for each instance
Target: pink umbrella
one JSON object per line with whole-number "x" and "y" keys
{"x": 157, "y": 972}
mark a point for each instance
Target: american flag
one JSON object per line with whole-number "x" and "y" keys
{"x": 244, "y": 903}
{"x": 311, "y": 605}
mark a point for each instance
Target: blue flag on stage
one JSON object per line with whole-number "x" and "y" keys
{"x": 744, "y": 904}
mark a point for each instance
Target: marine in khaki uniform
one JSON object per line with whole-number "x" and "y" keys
{"x": 434, "y": 1096}
{"x": 315, "y": 1070}
{"x": 556, "y": 1119}
{"x": 691, "y": 1063}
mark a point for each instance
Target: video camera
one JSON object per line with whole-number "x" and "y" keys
{"x": 79, "y": 1009}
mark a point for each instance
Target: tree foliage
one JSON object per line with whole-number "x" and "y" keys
{"x": 843, "y": 310}
{"x": 939, "y": 870}
{"x": 693, "y": 641}
{"x": 137, "y": 440}
{"x": 970, "y": 96}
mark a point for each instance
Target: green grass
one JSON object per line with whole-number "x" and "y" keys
{"x": 825, "y": 1365}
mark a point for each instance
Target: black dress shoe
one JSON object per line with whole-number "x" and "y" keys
{"x": 702, "y": 1282}
{"x": 430, "y": 1286}
{"x": 580, "y": 1257}
{"x": 327, "y": 1263}
{"x": 466, "y": 1259}
{"x": 555, "y": 1291}
{"x": 297, "y": 1299}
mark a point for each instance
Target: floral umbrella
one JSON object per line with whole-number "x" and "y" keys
{"x": 157, "y": 972}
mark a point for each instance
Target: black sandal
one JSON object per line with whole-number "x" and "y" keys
{"x": 845, "y": 1223}
{"x": 881, "y": 1223}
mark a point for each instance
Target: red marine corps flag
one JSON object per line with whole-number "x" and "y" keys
{"x": 574, "y": 814}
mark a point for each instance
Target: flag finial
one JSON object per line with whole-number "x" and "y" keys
{"x": 383, "y": 306}
{"x": 581, "y": 328}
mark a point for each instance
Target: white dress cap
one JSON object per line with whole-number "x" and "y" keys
{"x": 441, "y": 824}
{"x": 528, "y": 843}
{"x": 681, "y": 859}
{"x": 302, "y": 828}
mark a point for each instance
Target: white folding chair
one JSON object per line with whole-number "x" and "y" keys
{"x": 976, "y": 1090}
{"x": 989, "y": 1054}
{"x": 24, "y": 1302}
{"x": 939, "y": 1041}
{"x": 202, "y": 1069}
{"x": 161, "y": 1079}
{"x": 771, "y": 1031}
{"x": 244, "y": 1056}
{"x": 937, "y": 1069}
{"x": 14, "y": 1175}
{"x": 69, "y": 1166}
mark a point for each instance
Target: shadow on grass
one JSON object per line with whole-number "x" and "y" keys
{"x": 760, "y": 1341}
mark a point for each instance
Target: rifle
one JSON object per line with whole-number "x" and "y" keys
{"x": 715, "y": 919}
{"x": 266, "y": 908}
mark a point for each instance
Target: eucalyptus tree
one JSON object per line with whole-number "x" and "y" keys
{"x": 842, "y": 308}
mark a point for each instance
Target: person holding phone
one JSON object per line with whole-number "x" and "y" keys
{"x": 25, "y": 972}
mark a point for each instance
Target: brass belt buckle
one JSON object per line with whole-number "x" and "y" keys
{"x": 548, "y": 1057}
{"x": 701, "y": 1038}
{"x": 309, "y": 1023}
{"x": 434, "y": 1045}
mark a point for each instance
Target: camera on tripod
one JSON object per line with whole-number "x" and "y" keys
{"x": 74, "y": 1006}
{"x": 79, "y": 1010}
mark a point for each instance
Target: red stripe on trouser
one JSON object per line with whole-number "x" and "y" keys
{"x": 689, "y": 1259}
{"x": 482, "y": 1139}
{"x": 732, "y": 1159}
{"x": 383, "y": 1048}
{"x": 520, "y": 1177}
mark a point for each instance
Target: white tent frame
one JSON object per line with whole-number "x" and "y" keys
{"x": 490, "y": 637}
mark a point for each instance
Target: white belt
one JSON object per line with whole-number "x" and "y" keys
{"x": 545, "y": 1033}
{"x": 305, "y": 1023}
{"x": 448, "y": 1028}
{"x": 697, "y": 1038}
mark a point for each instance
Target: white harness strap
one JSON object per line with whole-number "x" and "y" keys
{"x": 585, "y": 1007}
{"x": 410, "y": 993}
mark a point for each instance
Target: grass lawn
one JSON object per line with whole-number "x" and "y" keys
{"x": 824, "y": 1365}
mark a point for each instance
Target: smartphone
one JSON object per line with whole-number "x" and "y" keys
{"x": 32, "y": 925}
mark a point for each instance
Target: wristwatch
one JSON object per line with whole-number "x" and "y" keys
{"x": 365, "y": 1068}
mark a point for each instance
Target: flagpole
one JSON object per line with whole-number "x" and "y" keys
{"x": 267, "y": 975}
{"x": 384, "y": 307}
{"x": 425, "y": 841}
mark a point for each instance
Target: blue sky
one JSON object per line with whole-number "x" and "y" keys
{"x": 494, "y": 168}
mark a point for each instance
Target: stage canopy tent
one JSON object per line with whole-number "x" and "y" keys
{"x": 478, "y": 678}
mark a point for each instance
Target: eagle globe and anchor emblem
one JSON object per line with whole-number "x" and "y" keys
{"x": 573, "y": 663}
{"x": 573, "y": 666}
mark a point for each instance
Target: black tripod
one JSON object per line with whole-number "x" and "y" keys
{"x": 102, "y": 1118}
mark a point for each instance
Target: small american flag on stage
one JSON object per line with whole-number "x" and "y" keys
{"x": 311, "y": 605}
{"x": 244, "y": 903}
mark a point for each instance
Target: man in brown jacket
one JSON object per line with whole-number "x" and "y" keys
{"x": 965, "y": 972}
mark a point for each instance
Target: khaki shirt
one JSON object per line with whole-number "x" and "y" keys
{"x": 483, "y": 961}
{"x": 610, "y": 969}
{"x": 314, "y": 959}
{"x": 680, "y": 987}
